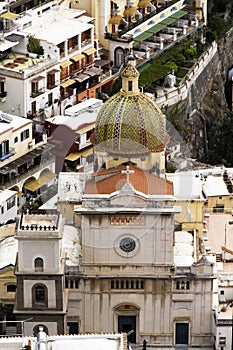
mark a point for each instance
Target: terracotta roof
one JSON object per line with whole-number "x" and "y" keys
{"x": 111, "y": 180}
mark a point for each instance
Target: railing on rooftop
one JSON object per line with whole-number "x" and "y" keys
{"x": 130, "y": 26}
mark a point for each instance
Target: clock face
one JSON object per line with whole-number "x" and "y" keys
{"x": 127, "y": 244}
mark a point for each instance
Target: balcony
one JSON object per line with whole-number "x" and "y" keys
{"x": 38, "y": 92}
{"x": 129, "y": 26}
{"x": 51, "y": 86}
{"x": 10, "y": 153}
{"x": 85, "y": 42}
{"x": 12, "y": 168}
{"x": 72, "y": 49}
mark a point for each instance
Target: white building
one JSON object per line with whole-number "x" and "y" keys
{"x": 25, "y": 159}
{"x": 61, "y": 75}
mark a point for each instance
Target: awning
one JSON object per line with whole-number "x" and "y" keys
{"x": 156, "y": 28}
{"x": 53, "y": 71}
{"x": 168, "y": 20}
{"x": 45, "y": 177}
{"x": 35, "y": 80}
{"x": 67, "y": 83}
{"x": 14, "y": 37}
{"x": 73, "y": 156}
{"x": 102, "y": 63}
{"x": 115, "y": 19}
{"x": 6, "y": 44}
{"x": 87, "y": 152}
{"x": 90, "y": 51}
{"x": 82, "y": 77}
{"x": 179, "y": 14}
{"x": 32, "y": 185}
{"x": 143, "y": 36}
{"x": 65, "y": 64}
{"x": 130, "y": 11}
{"x": 77, "y": 57}
{"x": 144, "y": 3}
{"x": 93, "y": 71}
{"x": 8, "y": 15}
{"x": 20, "y": 194}
{"x": 85, "y": 129}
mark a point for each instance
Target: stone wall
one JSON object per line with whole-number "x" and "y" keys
{"x": 195, "y": 82}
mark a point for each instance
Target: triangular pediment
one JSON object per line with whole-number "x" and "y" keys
{"x": 128, "y": 199}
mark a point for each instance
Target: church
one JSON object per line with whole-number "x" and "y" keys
{"x": 125, "y": 278}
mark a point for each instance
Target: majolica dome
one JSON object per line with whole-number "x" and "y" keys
{"x": 130, "y": 122}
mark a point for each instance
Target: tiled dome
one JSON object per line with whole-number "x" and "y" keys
{"x": 130, "y": 122}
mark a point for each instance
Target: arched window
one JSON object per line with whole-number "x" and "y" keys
{"x": 39, "y": 265}
{"x": 36, "y": 329}
{"x": 40, "y": 295}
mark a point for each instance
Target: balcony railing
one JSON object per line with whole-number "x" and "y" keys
{"x": 30, "y": 172}
{"x": 86, "y": 42}
{"x": 130, "y": 26}
{"x": 72, "y": 49}
{"x": 52, "y": 85}
{"x": 7, "y": 155}
{"x": 38, "y": 92}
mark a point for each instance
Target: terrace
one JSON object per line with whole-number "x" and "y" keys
{"x": 23, "y": 64}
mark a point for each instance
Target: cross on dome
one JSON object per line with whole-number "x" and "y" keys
{"x": 127, "y": 172}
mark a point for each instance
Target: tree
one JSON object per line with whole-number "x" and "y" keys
{"x": 34, "y": 46}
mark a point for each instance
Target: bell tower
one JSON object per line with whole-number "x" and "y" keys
{"x": 39, "y": 272}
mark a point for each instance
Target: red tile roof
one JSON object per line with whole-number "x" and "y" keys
{"x": 111, "y": 180}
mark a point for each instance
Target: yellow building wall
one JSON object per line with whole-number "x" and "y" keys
{"x": 227, "y": 201}
{"x": 7, "y": 276}
{"x": 191, "y": 216}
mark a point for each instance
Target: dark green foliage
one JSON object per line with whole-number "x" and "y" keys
{"x": 170, "y": 168}
{"x": 168, "y": 61}
{"x": 179, "y": 59}
{"x": 220, "y": 18}
{"x": 34, "y": 46}
{"x": 190, "y": 52}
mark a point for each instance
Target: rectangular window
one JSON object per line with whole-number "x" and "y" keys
{"x": 33, "y": 107}
{"x": 10, "y": 203}
{"x": 24, "y": 135}
{"x": 51, "y": 80}
{"x": 5, "y": 150}
{"x": 2, "y": 88}
{"x": 130, "y": 85}
{"x": 222, "y": 340}
{"x": 219, "y": 208}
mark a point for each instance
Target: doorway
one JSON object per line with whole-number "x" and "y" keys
{"x": 127, "y": 324}
{"x": 182, "y": 333}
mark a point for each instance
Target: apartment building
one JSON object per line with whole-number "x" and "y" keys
{"x": 26, "y": 163}
{"x": 64, "y": 71}
{"x": 146, "y": 26}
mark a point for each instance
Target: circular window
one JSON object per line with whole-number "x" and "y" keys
{"x": 127, "y": 244}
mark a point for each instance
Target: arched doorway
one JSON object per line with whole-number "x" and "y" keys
{"x": 127, "y": 320}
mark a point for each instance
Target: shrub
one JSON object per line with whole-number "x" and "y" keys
{"x": 34, "y": 46}
{"x": 190, "y": 52}
{"x": 179, "y": 59}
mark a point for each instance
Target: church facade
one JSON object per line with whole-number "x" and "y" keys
{"x": 125, "y": 279}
